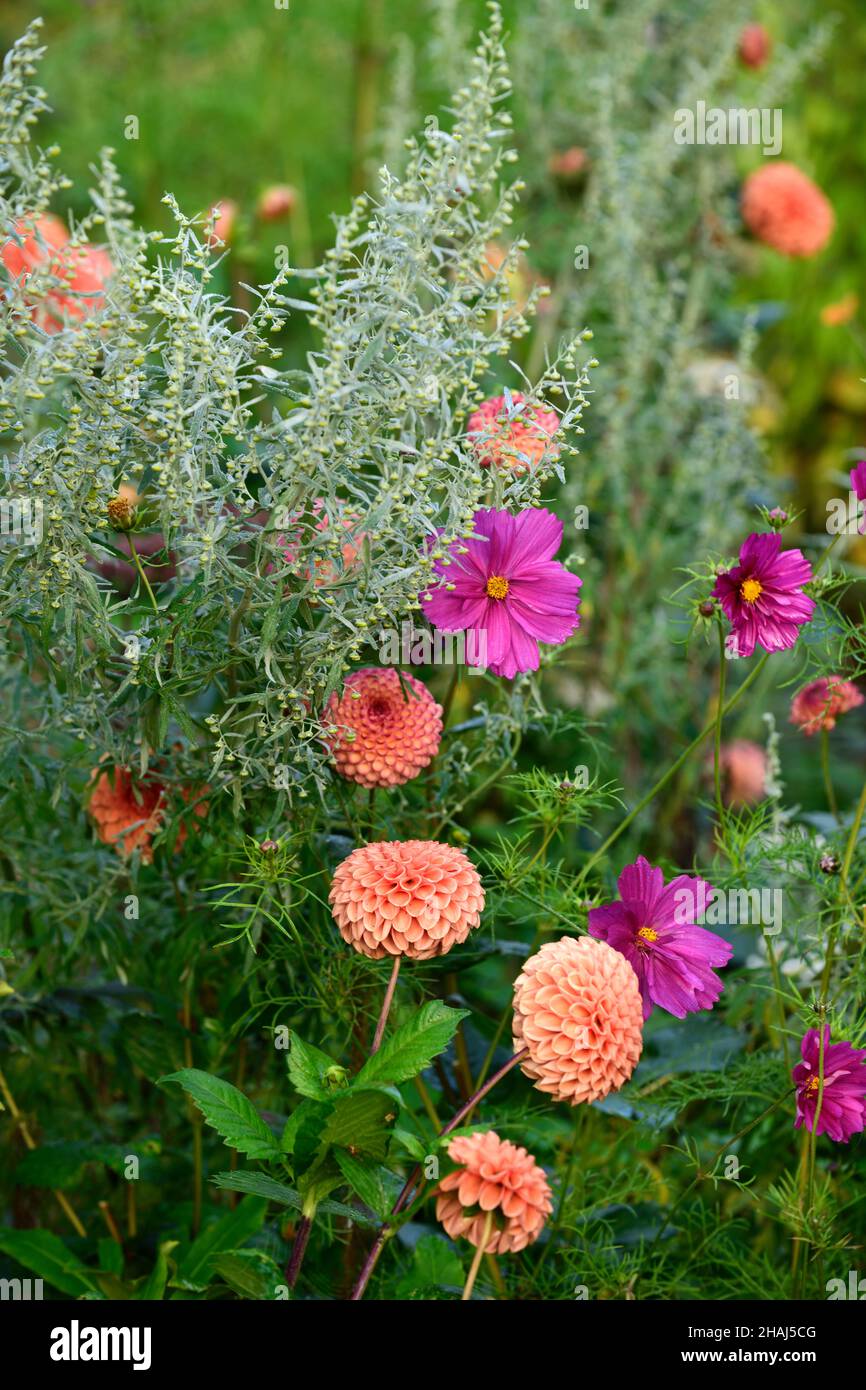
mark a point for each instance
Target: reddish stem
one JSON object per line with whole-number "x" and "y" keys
{"x": 386, "y": 1007}
{"x": 299, "y": 1249}
{"x": 412, "y": 1182}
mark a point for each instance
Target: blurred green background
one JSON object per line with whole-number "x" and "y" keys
{"x": 232, "y": 95}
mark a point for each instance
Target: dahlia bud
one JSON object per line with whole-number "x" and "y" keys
{"x": 277, "y": 202}
{"x": 568, "y": 165}
{"x": 755, "y": 45}
{"x": 121, "y": 513}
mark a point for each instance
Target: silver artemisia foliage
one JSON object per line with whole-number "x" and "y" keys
{"x": 301, "y": 508}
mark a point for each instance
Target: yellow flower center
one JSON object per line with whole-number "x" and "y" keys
{"x": 497, "y": 586}
{"x": 751, "y": 589}
{"x": 813, "y": 1083}
{"x": 647, "y": 934}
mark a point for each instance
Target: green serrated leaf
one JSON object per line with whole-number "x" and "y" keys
{"x": 250, "y": 1273}
{"x": 414, "y": 1045}
{"x": 375, "y": 1185}
{"x": 228, "y": 1111}
{"x": 314, "y": 1073}
{"x": 360, "y": 1121}
{"x": 258, "y": 1185}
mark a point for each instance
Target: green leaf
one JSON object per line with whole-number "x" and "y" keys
{"x": 375, "y": 1185}
{"x": 61, "y": 1164}
{"x": 230, "y": 1231}
{"x": 414, "y": 1045}
{"x": 46, "y": 1255}
{"x": 258, "y": 1185}
{"x": 110, "y": 1256}
{"x": 436, "y": 1266}
{"x": 153, "y": 1287}
{"x": 250, "y": 1273}
{"x": 313, "y": 1073}
{"x": 303, "y": 1113}
{"x": 228, "y": 1111}
{"x": 360, "y": 1121}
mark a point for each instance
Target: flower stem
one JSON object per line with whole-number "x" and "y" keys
{"x": 386, "y": 1007}
{"x": 720, "y": 715}
{"x": 299, "y": 1249}
{"x": 412, "y": 1181}
{"x": 477, "y": 1258}
{"x": 30, "y": 1144}
{"x": 136, "y": 559}
{"x": 703, "y": 1173}
{"x": 674, "y": 768}
{"x": 825, "y": 773}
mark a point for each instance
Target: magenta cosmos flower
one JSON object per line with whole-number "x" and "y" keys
{"x": 653, "y": 925}
{"x": 763, "y": 595}
{"x": 507, "y": 588}
{"x": 843, "y": 1099}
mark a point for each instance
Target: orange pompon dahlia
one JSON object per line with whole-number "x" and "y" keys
{"x": 413, "y": 898}
{"x": 494, "y": 1176}
{"x": 785, "y": 209}
{"x": 128, "y": 814}
{"x": 578, "y": 1012}
{"x": 388, "y": 727}
{"x": 819, "y": 704}
{"x": 518, "y": 442}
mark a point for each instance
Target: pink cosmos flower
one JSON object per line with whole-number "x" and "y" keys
{"x": 843, "y": 1097}
{"x": 763, "y": 595}
{"x": 653, "y": 925}
{"x": 818, "y": 704}
{"x": 508, "y": 585}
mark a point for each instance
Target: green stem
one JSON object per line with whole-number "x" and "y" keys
{"x": 136, "y": 559}
{"x": 825, "y": 773}
{"x": 672, "y": 770}
{"x": 720, "y": 715}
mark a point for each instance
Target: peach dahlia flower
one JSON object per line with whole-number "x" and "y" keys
{"x": 819, "y": 704}
{"x": 82, "y": 270}
{"x": 578, "y": 1012}
{"x": 517, "y": 443}
{"x": 494, "y": 1176}
{"x": 127, "y": 814}
{"x": 785, "y": 209}
{"x": 388, "y": 727}
{"x": 414, "y": 898}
